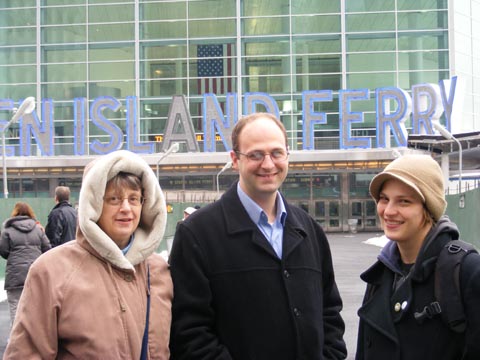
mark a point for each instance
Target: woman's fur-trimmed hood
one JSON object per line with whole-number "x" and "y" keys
{"x": 153, "y": 218}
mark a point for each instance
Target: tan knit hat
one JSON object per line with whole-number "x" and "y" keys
{"x": 422, "y": 174}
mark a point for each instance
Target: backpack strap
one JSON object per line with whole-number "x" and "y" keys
{"x": 447, "y": 273}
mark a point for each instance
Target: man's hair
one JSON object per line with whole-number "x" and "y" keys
{"x": 250, "y": 118}
{"x": 62, "y": 193}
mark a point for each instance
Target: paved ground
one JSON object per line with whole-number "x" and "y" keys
{"x": 351, "y": 256}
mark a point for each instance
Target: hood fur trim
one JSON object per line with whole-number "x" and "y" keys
{"x": 153, "y": 218}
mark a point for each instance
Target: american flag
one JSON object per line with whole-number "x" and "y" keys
{"x": 215, "y": 69}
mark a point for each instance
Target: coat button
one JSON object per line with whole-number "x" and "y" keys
{"x": 397, "y": 307}
{"x": 296, "y": 312}
{"x": 128, "y": 277}
{"x": 286, "y": 273}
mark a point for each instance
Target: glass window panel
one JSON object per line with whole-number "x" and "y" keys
{"x": 113, "y": 32}
{"x": 325, "y": 186}
{"x": 370, "y": 22}
{"x": 316, "y": 24}
{"x": 112, "y": 71}
{"x": 211, "y": 9}
{"x": 111, "y": 13}
{"x": 371, "y": 208}
{"x": 117, "y": 89}
{"x": 106, "y": 53}
{"x": 423, "y": 4}
{"x": 64, "y": 72}
{"x": 371, "y": 42}
{"x": 356, "y": 208}
{"x": 168, "y": 51}
{"x": 319, "y": 81}
{"x": 315, "y": 7}
{"x": 64, "y": 54}
{"x": 18, "y": 36}
{"x": 17, "y": 91}
{"x": 318, "y": 64}
{"x": 262, "y": 8}
{"x": 370, "y": 80}
{"x": 64, "y": 34}
{"x": 421, "y": 20}
{"x": 266, "y": 26}
{"x": 18, "y": 17}
{"x": 317, "y": 45}
{"x": 162, "y": 69}
{"x": 320, "y": 208}
{"x": 408, "y": 79}
{"x": 64, "y": 15}
{"x": 370, "y": 5}
{"x": 62, "y": 2}
{"x": 26, "y": 55}
{"x": 209, "y": 28}
{"x": 334, "y": 208}
{"x": 428, "y": 60}
{"x": 17, "y": 4}
{"x": 371, "y": 62}
{"x": 63, "y": 91}
{"x": 423, "y": 41}
{"x": 18, "y": 74}
{"x": 267, "y": 48}
{"x": 164, "y": 30}
{"x": 163, "y": 11}
{"x": 109, "y": 1}
{"x": 164, "y": 87}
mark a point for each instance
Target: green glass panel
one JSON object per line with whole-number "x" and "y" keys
{"x": 117, "y": 89}
{"x": 318, "y": 64}
{"x": 371, "y": 42}
{"x": 315, "y": 6}
{"x": 113, "y": 32}
{"x": 422, "y": 20}
{"x": 371, "y": 62}
{"x": 111, "y": 13}
{"x": 164, "y": 87}
{"x": 64, "y": 15}
{"x": 317, "y": 45}
{"x": 63, "y": 91}
{"x": 211, "y": 9}
{"x": 163, "y": 69}
{"x": 16, "y": 91}
{"x": 423, "y": 41}
{"x": 266, "y": 48}
{"x": 209, "y": 28}
{"x": 56, "y": 54}
{"x": 18, "y": 17}
{"x": 263, "y": 8}
{"x": 111, "y": 71}
{"x": 163, "y": 30}
{"x": 316, "y": 24}
{"x": 18, "y": 36}
{"x": 370, "y": 22}
{"x": 106, "y": 53}
{"x": 266, "y": 26}
{"x": 18, "y": 74}
{"x": 64, "y": 34}
{"x": 62, "y": 2}
{"x": 408, "y": 79}
{"x": 64, "y": 72}
{"x": 370, "y": 5}
{"x": 26, "y": 55}
{"x": 163, "y": 11}
{"x": 154, "y": 52}
{"x": 422, "y": 4}
{"x": 5, "y": 4}
{"x": 430, "y": 60}
{"x": 109, "y": 1}
{"x": 370, "y": 80}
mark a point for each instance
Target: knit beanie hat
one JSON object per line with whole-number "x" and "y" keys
{"x": 420, "y": 172}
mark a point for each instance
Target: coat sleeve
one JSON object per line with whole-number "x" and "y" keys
{"x": 470, "y": 284}
{"x": 192, "y": 334}
{"x": 34, "y": 333}
{"x": 4, "y": 244}
{"x": 54, "y": 228}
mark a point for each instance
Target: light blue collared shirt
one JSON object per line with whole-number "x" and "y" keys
{"x": 273, "y": 232}
{"x": 126, "y": 248}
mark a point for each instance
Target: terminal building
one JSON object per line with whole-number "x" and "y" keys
{"x": 356, "y": 84}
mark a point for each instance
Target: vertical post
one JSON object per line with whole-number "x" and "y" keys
{"x": 5, "y": 187}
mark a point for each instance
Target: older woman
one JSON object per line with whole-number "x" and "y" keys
{"x": 401, "y": 317}
{"x": 106, "y": 295}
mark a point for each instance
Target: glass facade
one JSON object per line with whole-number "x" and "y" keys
{"x": 155, "y": 49}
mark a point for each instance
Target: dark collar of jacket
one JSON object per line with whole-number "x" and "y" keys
{"x": 294, "y": 226}
{"x": 62, "y": 204}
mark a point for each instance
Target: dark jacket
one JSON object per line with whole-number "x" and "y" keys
{"x": 21, "y": 243}
{"x": 235, "y": 299}
{"x": 388, "y": 329}
{"x": 61, "y": 224}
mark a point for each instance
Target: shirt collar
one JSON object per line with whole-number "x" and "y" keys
{"x": 255, "y": 211}
{"x": 126, "y": 248}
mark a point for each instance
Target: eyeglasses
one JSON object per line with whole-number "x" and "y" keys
{"x": 277, "y": 155}
{"x": 133, "y": 200}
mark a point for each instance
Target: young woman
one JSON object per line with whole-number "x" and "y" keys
{"x": 396, "y": 321}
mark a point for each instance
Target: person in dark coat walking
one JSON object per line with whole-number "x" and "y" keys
{"x": 62, "y": 220}
{"x": 22, "y": 241}
{"x": 253, "y": 275}
{"x": 397, "y": 321}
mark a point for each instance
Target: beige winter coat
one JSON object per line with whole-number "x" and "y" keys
{"x": 85, "y": 299}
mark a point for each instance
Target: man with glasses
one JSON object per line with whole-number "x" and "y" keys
{"x": 253, "y": 275}
{"x": 106, "y": 294}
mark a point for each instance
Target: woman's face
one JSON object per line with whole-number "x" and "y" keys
{"x": 402, "y": 215}
{"x": 121, "y": 220}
